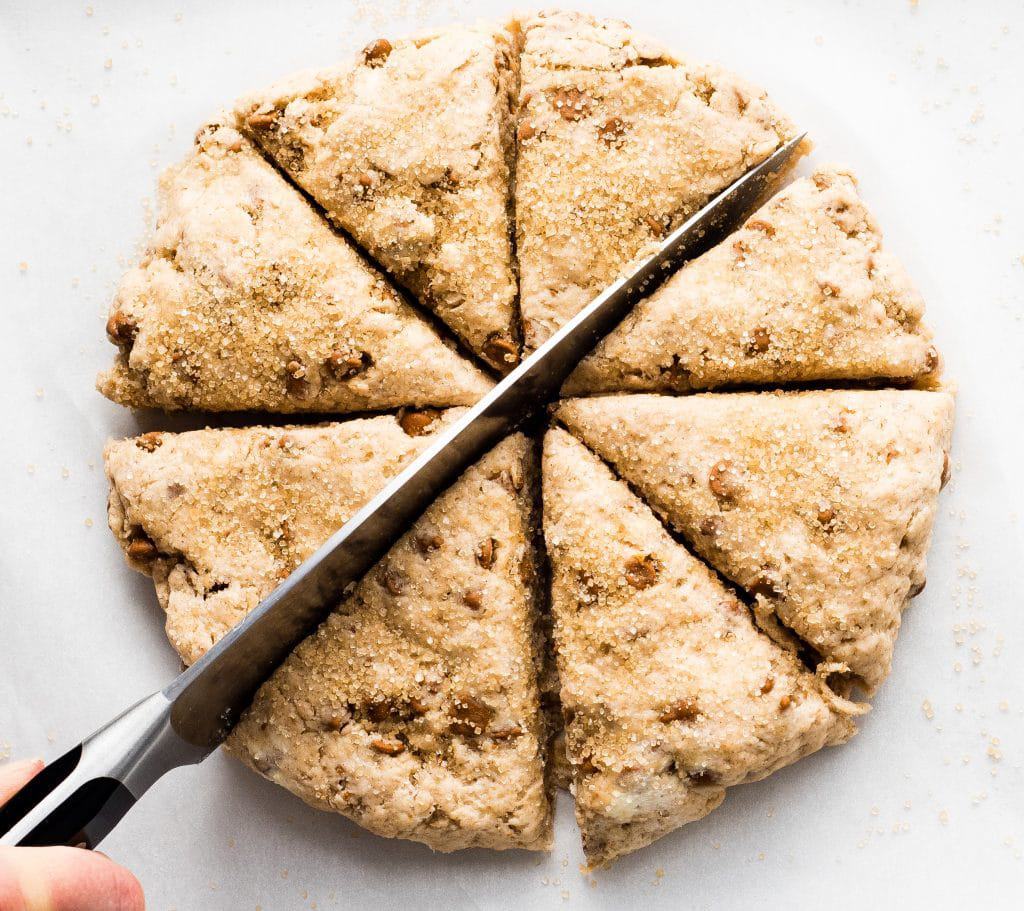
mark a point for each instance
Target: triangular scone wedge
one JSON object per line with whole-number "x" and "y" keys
{"x": 820, "y": 504}
{"x": 804, "y": 291}
{"x": 219, "y": 517}
{"x": 247, "y": 299}
{"x": 414, "y": 710}
{"x": 409, "y": 149}
{"x": 619, "y": 141}
{"x": 671, "y": 694}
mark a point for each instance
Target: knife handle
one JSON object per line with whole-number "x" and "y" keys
{"x": 77, "y": 799}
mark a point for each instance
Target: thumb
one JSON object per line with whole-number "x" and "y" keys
{"x": 65, "y": 879}
{"x": 59, "y": 879}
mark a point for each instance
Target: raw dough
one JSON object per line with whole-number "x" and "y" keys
{"x": 619, "y": 142}
{"x": 819, "y": 504}
{"x": 410, "y": 149}
{"x": 804, "y": 291}
{"x": 246, "y": 299}
{"x": 670, "y": 692}
{"x": 414, "y": 710}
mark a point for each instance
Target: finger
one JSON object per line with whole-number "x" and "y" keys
{"x": 65, "y": 879}
{"x": 15, "y": 775}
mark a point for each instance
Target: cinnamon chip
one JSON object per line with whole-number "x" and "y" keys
{"x": 612, "y": 130}
{"x": 501, "y": 350}
{"x": 684, "y": 709}
{"x": 571, "y": 103}
{"x": 472, "y": 715}
{"x": 149, "y": 442}
{"x": 387, "y": 746}
{"x": 343, "y": 365}
{"x": 376, "y": 52}
{"x": 121, "y": 329}
{"x": 724, "y": 480}
{"x": 486, "y": 553}
{"x": 642, "y": 570}
{"x": 140, "y": 547}
{"x": 416, "y": 423}
{"x": 759, "y": 342}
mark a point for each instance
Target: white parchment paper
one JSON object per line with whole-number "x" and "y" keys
{"x": 925, "y": 808}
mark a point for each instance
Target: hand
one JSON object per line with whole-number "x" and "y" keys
{"x": 59, "y": 879}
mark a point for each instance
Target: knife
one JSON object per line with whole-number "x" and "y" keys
{"x": 78, "y": 798}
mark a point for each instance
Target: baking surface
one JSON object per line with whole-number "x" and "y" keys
{"x": 924, "y": 807}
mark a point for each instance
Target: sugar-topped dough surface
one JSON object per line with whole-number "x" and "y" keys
{"x": 409, "y": 148}
{"x": 619, "y": 141}
{"x": 670, "y": 692}
{"x": 804, "y": 291}
{"x": 219, "y": 518}
{"x": 425, "y": 706}
{"x": 820, "y": 504}
{"x": 414, "y": 709}
{"x": 246, "y": 299}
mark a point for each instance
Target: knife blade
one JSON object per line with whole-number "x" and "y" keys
{"x": 78, "y": 798}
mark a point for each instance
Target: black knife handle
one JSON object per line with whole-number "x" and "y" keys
{"x": 77, "y": 799}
